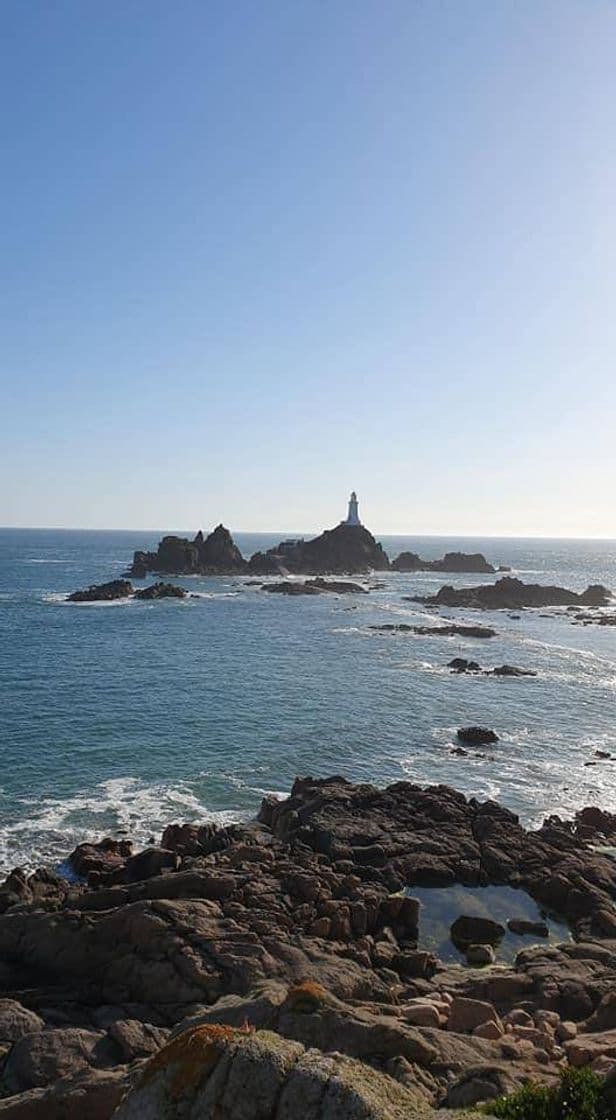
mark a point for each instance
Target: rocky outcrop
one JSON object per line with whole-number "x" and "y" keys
{"x": 477, "y": 736}
{"x": 161, "y": 591}
{"x": 345, "y": 550}
{"x": 512, "y": 594}
{"x": 208, "y": 1070}
{"x": 103, "y": 592}
{"x": 463, "y": 665}
{"x": 299, "y": 925}
{"x": 451, "y": 562}
{"x": 123, "y": 589}
{"x": 447, "y": 630}
{"x": 471, "y": 843}
{"x": 315, "y": 587}
{"x": 216, "y": 554}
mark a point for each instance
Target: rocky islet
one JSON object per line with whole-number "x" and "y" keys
{"x": 451, "y": 562}
{"x": 509, "y": 593}
{"x": 463, "y": 665}
{"x": 123, "y": 589}
{"x": 347, "y": 549}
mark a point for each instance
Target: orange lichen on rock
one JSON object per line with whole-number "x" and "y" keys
{"x": 191, "y": 1055}
{"x": 306, "y": 996}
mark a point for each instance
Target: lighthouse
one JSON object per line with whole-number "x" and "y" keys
{"x": 353, "y": 514}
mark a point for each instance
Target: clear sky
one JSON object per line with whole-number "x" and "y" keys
{"x": 254, "y": 254}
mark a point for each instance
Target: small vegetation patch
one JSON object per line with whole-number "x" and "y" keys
{"x": 191, "y": 1055}
{"x": 306, "y": 996}
{"x": 580, "y": 1095}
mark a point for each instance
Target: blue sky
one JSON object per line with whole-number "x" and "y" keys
{"x": 256, "y": 254}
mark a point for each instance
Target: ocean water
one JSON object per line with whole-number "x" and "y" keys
{"x": 120, "y": 718}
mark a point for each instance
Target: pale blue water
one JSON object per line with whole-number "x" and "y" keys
{"x": 130, "y": 715}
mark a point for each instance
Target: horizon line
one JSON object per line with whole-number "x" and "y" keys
{"x": 316, "y": 532}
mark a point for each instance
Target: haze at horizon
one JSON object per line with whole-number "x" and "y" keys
{"x": 256, "y": 256}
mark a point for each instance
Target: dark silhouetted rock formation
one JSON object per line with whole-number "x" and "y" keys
{"x": 512, "y": 594}
{"x": 451, "y": 562}
{"x": 103, "y": 592}
{"x": 477, "y": 735}
{"x": 347, "y": 549}
{"x": 161, "y": 591}
{"x": 216, "y": 554}
{"x": 462, "y": 665}
{"x": 123, "y": 589}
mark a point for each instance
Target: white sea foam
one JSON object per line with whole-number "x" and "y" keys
{"x": 59, "y": 598}
{"x": 50, "y": 827}
{"x": 214, "y": 594}
{"x": 568, "y": 651}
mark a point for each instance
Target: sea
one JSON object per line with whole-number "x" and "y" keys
{"x": 116, "y": 719}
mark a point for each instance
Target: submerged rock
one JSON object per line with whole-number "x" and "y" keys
{"x": 522, "y": 926}
{"x": 447, "y": 630}
{"x": 512, "y": 671}
{"x": 315, "y": 587}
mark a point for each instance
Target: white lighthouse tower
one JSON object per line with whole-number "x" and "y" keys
{"x": 353, "y": 514}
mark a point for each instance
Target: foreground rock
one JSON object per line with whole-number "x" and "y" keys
{"x": 513, "y": 594}
{"x": 345, "y": 550}
{"x": 451, "y": 562}
{"x": 103, "y": 592}
{"x": 297, "y": 925}
{"x": 208, "y": 1070}
{"x": 315, "y": 587}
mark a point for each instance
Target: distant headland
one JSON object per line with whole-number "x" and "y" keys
{"x": 347, "y": 549}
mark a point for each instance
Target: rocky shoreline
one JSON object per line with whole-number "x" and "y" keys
{"x": 293, "y": 944}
